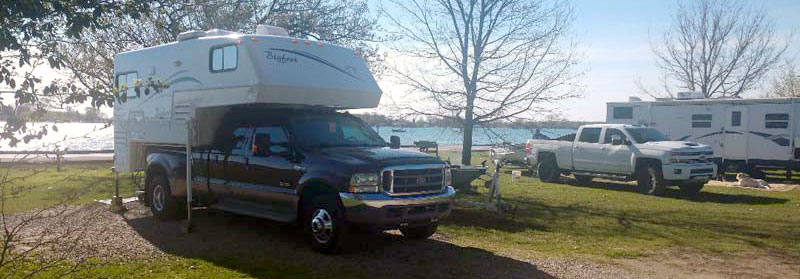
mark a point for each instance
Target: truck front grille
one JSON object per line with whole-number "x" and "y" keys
{"x": 416, "y": 180}
{"x": 696, "y": 171}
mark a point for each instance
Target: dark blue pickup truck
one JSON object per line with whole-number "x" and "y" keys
{"x": 325, "y": 170}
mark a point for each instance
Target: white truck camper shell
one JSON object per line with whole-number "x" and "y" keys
{"x": 209, "y": 73}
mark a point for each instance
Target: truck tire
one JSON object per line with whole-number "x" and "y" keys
{"x": 583, "y": 179}
{"x": 691, "y": 188}
{"x": 548, "y": 170}
{"x": 419, "y": 233}
{"x": 650, "y": 180}
{"x": 163, "y": 204}
{"x": 324, "y": 224}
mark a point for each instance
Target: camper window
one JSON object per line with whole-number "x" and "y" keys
{"x": 776, "y": 121}
{"x": 239, "y": 141}
{"x": 590, "y": 135}
{"x": 701, "y": 120}
{"x": 127, "y": 80}
{"x": 623, "y": 113}
{"x": 224, "y": 58}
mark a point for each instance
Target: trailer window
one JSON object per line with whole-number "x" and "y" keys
{"x": 590, "y": 135}
{"x": 736, "y": 118}
{"x": 776, "y": 121}
{"x": 623, "y": 113}
{"x": 701, "y": 120}
{"x": 224, "y": 58}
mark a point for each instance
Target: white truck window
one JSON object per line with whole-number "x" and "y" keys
{"x": 776, "y": 120}
{"x": 701, "y": 120}
{"x": 590, "y": 135}
{"x": 611, "y": 132}
{"x": 224, "y": 58}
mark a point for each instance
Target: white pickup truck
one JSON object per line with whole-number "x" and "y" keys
{"x": 623, "y": 152}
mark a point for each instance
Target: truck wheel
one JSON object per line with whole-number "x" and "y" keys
{"x": 650, "y": 181}
{"x": 691, "y": 189}
{"x": 324, "y": 224}
{"x": 163, "y": 204}
{"x": 419, "y": 233}
{"x": 583, "y": 179}
{"x": 548, "y": 171}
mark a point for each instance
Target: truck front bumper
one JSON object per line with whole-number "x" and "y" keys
{"x": 391, "y": 212}
{"x": 694, "y": 172}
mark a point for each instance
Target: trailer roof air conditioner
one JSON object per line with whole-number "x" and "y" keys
{"x": 689, "y": 96}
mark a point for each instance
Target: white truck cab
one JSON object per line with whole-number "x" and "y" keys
{"x": 621, "y": 151}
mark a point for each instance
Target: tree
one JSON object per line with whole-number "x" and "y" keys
{"x": 786, "y": 83}
{"x": 719, "y": 48}
{"x": 481, "y": 61}
{"x": 91, "y": 66}
{"x": 29, "y": 34}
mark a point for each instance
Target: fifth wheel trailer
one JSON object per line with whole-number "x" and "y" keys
{"x": 747, "y": 135}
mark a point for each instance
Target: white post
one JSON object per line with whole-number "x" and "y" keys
{"x": 189, "y": 134}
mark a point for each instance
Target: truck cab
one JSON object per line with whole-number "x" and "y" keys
{"x": 625, "y": 152}
{"x": 325, "y": 170}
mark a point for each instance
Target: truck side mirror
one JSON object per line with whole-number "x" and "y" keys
{"x": 394, "y": 142}
{"x": 616, "y": 140}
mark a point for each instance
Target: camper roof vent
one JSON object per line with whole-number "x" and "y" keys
{"x": 271, "y": 30}
{"x": 634, "y": 99}
{"x": 188, "y": 35}
{"x": 219, "y": 32}
{"x": 689, "y": 96}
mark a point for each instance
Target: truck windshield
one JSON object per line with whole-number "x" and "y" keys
{"x": 643, "y": 135}
{"x": 334, "y": 130}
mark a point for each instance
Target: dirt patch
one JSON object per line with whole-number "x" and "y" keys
{"x": 694, "y": 265}
{"x": 226, "y": 239}
{"x": 778, "y": 187}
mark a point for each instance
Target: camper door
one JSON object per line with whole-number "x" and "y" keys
{"x": 734, "y": 141}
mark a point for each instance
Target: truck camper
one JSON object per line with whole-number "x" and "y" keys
{"x": 257, "y": 117}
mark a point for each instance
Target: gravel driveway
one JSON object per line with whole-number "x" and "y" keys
{"x": 136, "y": 235}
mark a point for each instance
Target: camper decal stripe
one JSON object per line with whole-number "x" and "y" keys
{"x": 318, "y": 59}
{"x": 779, "y": 139}
{"x": 717, "y": 133}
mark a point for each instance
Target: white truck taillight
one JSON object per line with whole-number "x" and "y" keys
{"x": 527, "y": 148}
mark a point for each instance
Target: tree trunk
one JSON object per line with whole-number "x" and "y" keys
{"x": 466, "y": 148}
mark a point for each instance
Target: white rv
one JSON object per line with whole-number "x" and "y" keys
{"x": 746, "y": 134}
{"x": 206, "y": 72}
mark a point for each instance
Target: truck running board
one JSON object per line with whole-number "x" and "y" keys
{"x": 603, "y": 175}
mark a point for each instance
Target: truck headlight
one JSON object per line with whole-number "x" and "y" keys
{"x": 367, "y": 182}
{"x": 448, "y": 177}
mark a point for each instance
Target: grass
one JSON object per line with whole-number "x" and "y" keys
{"x": 611, "y": 220}
{"x": 31, "y": 186}
{"x": 599, "y": 221}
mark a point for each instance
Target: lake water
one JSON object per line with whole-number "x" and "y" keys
{"x": 95, "y": 136}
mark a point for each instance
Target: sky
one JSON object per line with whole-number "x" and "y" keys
{"x": 614, "y": 37}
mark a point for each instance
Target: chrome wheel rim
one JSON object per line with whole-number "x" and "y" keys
{"x": 158, "y": 197}
{"x": 322, "y": 225}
